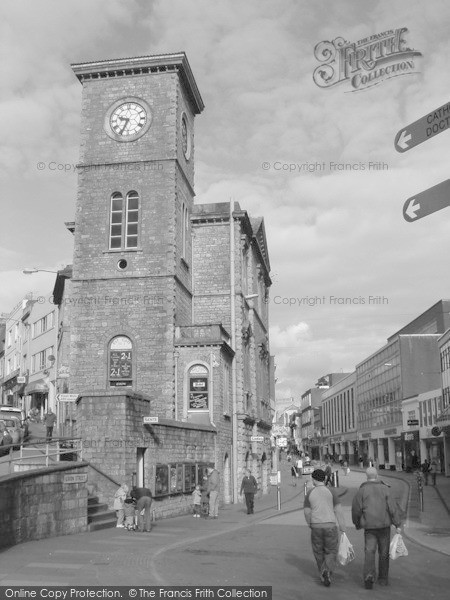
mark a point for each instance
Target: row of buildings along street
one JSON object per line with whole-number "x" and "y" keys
{"x": 392, "y": 410}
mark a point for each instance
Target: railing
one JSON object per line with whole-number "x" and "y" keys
{"x": 56, "y": 448}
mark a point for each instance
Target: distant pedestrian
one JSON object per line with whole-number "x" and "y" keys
{"x": 249, "y": 487}
{"x": 328, "y": 473}
{"x": 49, "y": 422}
{"x": 196, "y": 501}
{"x": 426, "y": 469}
{"x": 374, "y": 509}
{"x": 324, "y": 515}
{"x": 300, "y": 466}
{"x": 129, "y": 511}
{"x": 213, "y": 486}
{"x": 119, "y": 501}
{"x": 433, "y": 471}
{"x": 294, "y": 475}
{"x": 143, "y": 497}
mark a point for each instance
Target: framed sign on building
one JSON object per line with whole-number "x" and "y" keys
{"x": 120, "y": 362}
{"x": 198, "y": 389}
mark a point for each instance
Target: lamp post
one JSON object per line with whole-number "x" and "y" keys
{"x": 34, "y": 270}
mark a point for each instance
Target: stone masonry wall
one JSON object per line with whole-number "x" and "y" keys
{"x": 38, "y": 504}
{"x": 111, "y": 445}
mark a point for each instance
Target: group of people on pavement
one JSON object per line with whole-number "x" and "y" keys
{"x": 374, "y": 509}
{"x": 133, "y": 508}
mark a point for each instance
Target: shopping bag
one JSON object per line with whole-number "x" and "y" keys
{"x": 345, "y": 552}
{"x": 397, "y": 547}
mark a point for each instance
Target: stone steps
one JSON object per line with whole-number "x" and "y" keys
{"x": 99, "y": 515}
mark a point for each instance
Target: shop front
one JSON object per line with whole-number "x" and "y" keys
{"x": 411, "y": 450}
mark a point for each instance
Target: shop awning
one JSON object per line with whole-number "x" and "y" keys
{"x": 36, "y": 387}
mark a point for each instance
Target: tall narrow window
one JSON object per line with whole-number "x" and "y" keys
{"x": 115, "y": 234}
{"x": 124, "y": 221}
{"x": 132, "y": 220}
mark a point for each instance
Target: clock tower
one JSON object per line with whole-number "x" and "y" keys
{"x": 132, "y": 271}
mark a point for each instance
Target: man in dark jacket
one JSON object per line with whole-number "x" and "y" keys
{"x": 375, "y": 510}
{"x": 49, "y": 421}
{"x": 249, "y": 487}
{"x": 143, "y": 497}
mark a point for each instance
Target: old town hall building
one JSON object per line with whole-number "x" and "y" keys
{"x": 169, "y": 346}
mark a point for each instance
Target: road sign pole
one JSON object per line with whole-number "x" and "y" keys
{"x": 278, "y": 490}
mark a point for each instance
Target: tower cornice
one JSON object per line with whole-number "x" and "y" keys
{"x": 140, "y": 65}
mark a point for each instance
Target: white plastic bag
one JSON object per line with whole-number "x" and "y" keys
{"x": 345, "y": 552}
{"x": 397, "y": 547}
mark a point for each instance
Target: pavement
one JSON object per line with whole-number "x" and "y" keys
{"x": 100, "y": 557}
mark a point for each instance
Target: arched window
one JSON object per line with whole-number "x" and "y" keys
{"x": 124, "y": 221}
{"x": 120, "y": 362}
{"x": 198, "y": 388}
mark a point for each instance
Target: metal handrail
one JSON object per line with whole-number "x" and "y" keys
{"x": 47, "y": 454}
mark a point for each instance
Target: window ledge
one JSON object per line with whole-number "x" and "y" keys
{"x": 122, "y": 250}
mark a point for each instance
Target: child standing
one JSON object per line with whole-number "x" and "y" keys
{"x": 129, "y": 509}
{"x": 197, "y": 501}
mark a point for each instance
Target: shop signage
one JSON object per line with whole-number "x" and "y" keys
{"x": 280, "y": 430}
{"x": 423, "y": 129}
{"x": 392, "y": 431}
{"x": 366, "y": 435}
{"x": 281, "y": 442}
{"x": 257, "y": 438}
{"x": 21, "y": 380}
{"x": 149, "y": 420}
{"x": 427, "y": 202}
{"x": 411, "y": 436}
{"x": 412, "y": 422}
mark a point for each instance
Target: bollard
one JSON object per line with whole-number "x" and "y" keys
{"x": 335, "y": 479}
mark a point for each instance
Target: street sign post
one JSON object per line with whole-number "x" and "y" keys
{"x": 423, "y": 129}
{"x": 427, "y": 202}
{"x": 67, "y": 397}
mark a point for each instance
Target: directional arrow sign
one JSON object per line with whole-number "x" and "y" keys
{"x": 425, "y": 128}
{"x": 67, "y": 397}
{"x": 427, "y": 202}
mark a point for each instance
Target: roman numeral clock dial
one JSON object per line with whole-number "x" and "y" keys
{"x": 127, "y": 120}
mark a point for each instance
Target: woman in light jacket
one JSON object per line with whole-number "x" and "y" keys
{"x": 119, "y": 500}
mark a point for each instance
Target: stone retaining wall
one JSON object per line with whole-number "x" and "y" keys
{"x": 38, "y": 504}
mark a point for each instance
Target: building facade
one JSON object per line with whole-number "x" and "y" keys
{"x": 339, "y": 435}
{"x": 168, "y": 300}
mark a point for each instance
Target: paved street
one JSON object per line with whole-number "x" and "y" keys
{"x": 268, "y": 548}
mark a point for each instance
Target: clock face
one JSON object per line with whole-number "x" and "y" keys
{"x": 185, "y": 139}
{"x": 128, "y": 119}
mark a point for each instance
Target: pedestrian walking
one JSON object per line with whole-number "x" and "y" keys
{"x": 49, "y": 422}
{"x": 426, "y": 469}
{"x": 300, "y": 466}
{"x": 119, "y": 501}
{"x": 294, "y": 475}
{"x": 143, "y": 498}
{"x": 374, "y": 509}
{"x": 328, "y": 473}
{"x": 433, "y": 471}
{"x": 324, "y": 515}
{"x": 196, "y": 501}
{"x": 249, "y": 487}
{"x": 212, "y": 489}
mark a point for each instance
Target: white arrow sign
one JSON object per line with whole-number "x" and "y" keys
{"x": 412, "y": 209}
{"x": 403, "y": 140}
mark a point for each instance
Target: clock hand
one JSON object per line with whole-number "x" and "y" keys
{"x": 126, "y": 123}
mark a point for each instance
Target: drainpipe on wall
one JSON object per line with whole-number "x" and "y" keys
{"x": 233, "y": 360}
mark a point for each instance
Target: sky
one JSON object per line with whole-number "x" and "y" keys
{"x": 269, "y": 137}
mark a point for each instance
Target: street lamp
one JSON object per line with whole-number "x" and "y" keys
{"x": 33, "y": 270}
